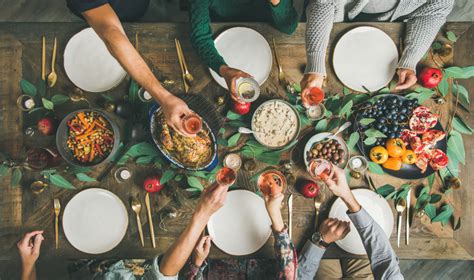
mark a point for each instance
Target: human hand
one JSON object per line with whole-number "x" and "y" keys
{"x": 333, "y": 229}
{"x": 29, "y": 248}
{"x": 311, "y": 80}
{"x": 337, "y": 184}
{"x": 212, "y": 199}
{"x": 273, "y": 205}
{"x": 406, "y": 79}
{"x": 201, "y": 251}
{"x": 174, "y": 110}
{"x": 231, "y": 75}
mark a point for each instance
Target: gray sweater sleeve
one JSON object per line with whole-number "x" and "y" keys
{"x": 320, "y": 15}
{"x": 308, "y": 261}
{"x": 383, "y": 261}
{"x": 422, "y": 26}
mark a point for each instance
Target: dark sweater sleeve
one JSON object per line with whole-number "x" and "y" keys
{"x": 81, "y": 6}
{"x": 201, "y": 35}
{"x": 284, "y": 16}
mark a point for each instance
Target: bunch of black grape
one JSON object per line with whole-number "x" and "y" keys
{"x": 391, "y": 114}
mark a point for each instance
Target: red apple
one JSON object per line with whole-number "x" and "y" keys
{"x": 430, "y": 77}
{"x": 241, "y": 108}
{"x": 309, "y": 189}
{"x": 152, "y": 184}
{"x": 46, "y": 126}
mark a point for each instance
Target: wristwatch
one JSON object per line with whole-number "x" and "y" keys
{"x": 317, "y": 239}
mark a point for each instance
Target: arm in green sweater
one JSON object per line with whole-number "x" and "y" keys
{"x": 284, "y": 16}
{"x": 201, "y": 35}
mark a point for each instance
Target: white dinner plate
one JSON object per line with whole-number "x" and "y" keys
{"x": 365, "y": 56}
{"x": 320, "y": 136}
{"x": 89, "y": 64}
{"x": 242, "y": 225}
{"x": 95, "y": 221}
{"x": 244, "y": 49}
{"x": 375, "y": 205}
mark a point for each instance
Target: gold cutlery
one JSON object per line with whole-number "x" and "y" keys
{"x": 281, "y": 74}
{"x": 187, "y": 74}
{"x": 400, "y": 207}
{"x": 370, "y": 182}
{"x": 407, "y": 224}
{"x": 57, "y": 209}
{"x": 137, "y": 206}
{"x": 317, "y": 205}
{"x": 290, "y": 215}
{"x": 150, "y": 219}
{"x": 183, "y": 73}
{"x": 43, "y": 59}
{"x": 53, "y": 77}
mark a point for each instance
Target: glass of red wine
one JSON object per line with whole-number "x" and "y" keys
{"x": 192, "y": 124}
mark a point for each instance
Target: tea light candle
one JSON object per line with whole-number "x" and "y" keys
{"x": 146, "y": 95}
{"x": 315, "y": 112}
{"x": 29, "y": 103}
{"x": 125, "y": 174}
{"x": 122, "y": 174}
{"x": 233, "y": 161}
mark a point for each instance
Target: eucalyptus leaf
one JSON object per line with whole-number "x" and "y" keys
{"x": 194, "y": 182}
{"x": 236, "y": 123}
{"x": 422, "y": 200}
{"x": 366, "y": 121}
{"x": 435, "y": 198}
{"x": 457, "y": 225}
{"x": 353, "y": 139}
{"x": 222, "y": 142}
{"x": 443, "y": 87}
{"x": 372, "y": 132}
{"x": 269, "y": 158}
{"x": 453, "y": 163}
{"x": 445, "y": 215}
{"x": 47, "y": 104}
{"x": 346, "y": 109}
{"x": 41, "y": 88}
{"x": 59, "y": 99}
{"x": 304, "y": 120}
{"x": 370, "y": 141}
{"x": 461, "y": 126}
{"x": 424, "y": 190}
{"x": 287, "y": 147}
{"x": 456, "y": 146}
{"x": 3, "y": 170}
{"x": 192, "y": 190}
{"x": 221, "y": 131}
{"x": 296, "y": 86}
{"x": 60, "y": 181}
{"x": 145, "y": 159}
{"x": 28, "y": 88}
{"x": 321, "y": 125}
{"x": 375, "y": 168}
{"x": 430, "y": 211}
{"x": 178, "y": 177}
{"x": 461, "y": 91}
{"x": 233, "y": 116}
{"x": 451, "y": 36}
{"x": 421, "y": 97}
{"x": 167, "y": 176}
{"x": 17, "y": 174}
{"x": 200, "y": 174}
{"x": 34, "y": 110}
{"x": 346, "y": 91}
{"x": 431, "y": 179}
{"x": 436, "y": 46}
{"x": 333, "y": 124}
{"x": 84, "y": 177}
{"x": 232, "y": 141}
{"x": 385, "y": 190}
{"x": 142, "y": 149}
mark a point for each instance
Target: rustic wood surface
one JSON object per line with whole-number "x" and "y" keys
{"x": 21, "y": 211}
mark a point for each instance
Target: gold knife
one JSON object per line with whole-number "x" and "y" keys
{"x": 181, "y": 65}
{"x": 43, "y": 59}
{"x": 150, "y": 219}
{"x": 290, "y": 214}
{"x": 407, "y": 224}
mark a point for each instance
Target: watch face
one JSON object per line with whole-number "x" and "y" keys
{"x": 316, "y": 237}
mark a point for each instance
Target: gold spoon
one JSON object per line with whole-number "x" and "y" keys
{"x": 317, "y": 205}
{"x": 52, "y": 77}
{"x": 137, "y": 206}
{"x": 281, "y": 75}
{"x": 400, "y": 207}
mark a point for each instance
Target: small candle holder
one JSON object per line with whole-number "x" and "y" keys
{"x": 144, "y": 95}
{"x": 122, "y": 174}
{"x": 233, "y": 161}
{"x": 358, "y": 164}
{"x": 25, "y": 103}
{"x": 38, "y": 187}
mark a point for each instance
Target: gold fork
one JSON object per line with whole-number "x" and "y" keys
{"x": 57, "y": 209}
{"x": 317, "y": 205}
{"x": 181, "y": 65}
{"x": 187, "y": 75}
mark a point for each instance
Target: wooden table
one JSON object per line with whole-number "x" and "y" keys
{"x": 21, "y": 211}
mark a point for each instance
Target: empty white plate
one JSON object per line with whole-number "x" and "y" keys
{"x": 89, "y": 64}
{"x": 365, "y": 56}
{"x": 242, "y": 225}
{"x": 244, "y": 49}
{"x": 375, "y": 205}
{"x": 95, "y": 221}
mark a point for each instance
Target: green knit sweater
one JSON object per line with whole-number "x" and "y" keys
{"x": 283, "y": 17}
